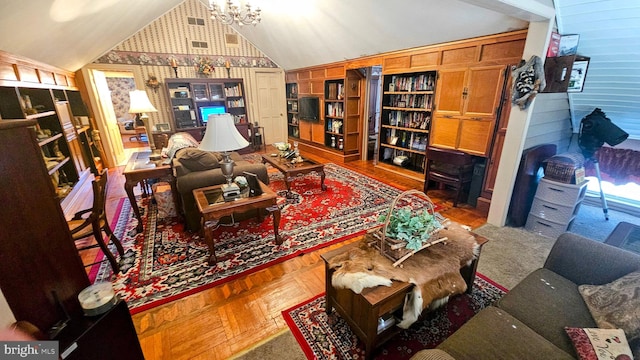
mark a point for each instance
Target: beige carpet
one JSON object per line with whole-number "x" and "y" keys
{"x": 282, "y": 346}
{"x": 511, "y": 253}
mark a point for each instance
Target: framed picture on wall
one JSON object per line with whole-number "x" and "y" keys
{"x": 578, "y": 74}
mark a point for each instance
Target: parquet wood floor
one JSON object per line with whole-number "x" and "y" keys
{"x": 221, "y": 321}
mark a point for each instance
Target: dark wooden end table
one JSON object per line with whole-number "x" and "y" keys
{"x": 212, "y": 207}
{"x": 139, "y": 169}
{"x": 362, "y": 311}
{"x": 291, "y": 170}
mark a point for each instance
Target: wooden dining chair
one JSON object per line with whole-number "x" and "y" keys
{"x": 93, "y": 222}
{"x": 449, "y": 167}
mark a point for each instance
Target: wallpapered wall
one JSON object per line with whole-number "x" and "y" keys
{"x": 170, "y": 36}
{"x": 120, "y": 88}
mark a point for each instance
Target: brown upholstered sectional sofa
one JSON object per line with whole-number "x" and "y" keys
{"x": 529, "y": 321}
{"x": 195, "y": 168}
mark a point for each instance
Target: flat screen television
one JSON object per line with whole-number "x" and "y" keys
{"x": 309, "y": 108}
{"x": 205, "y": 111}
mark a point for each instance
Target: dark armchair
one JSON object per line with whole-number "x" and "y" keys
{"x": 449, "y": 167}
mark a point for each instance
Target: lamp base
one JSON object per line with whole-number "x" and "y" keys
{"x": 230, "y": 191}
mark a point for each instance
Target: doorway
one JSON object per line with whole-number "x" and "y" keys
{"x": 108, "y": 90}
{"x": 270, "y": 96}
{"x": 372, "y": 111}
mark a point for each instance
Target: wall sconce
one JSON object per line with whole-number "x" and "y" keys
{"x": 174, "y": 65}
{"x": 227, "y": 65}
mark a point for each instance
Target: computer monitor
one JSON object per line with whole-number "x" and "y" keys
{"x": 205, "y": 111}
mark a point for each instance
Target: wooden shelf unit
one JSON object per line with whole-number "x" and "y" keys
{"x": 293, "y": 122}
{"x": 188, "y": 96}
{"x": 407, "y": 106}
{"x": 316, "y": 136}
{"x": 34, "y": 91}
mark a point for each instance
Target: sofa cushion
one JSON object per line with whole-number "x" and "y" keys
{"x": 606, "y": 343}
{"x": 616, "y": 304}
{"x": 494, "y": 334}
{"x": 547, "y": 303}
{"x": 198, "y": 160}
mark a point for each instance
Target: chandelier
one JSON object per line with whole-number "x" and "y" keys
{"x": 234, "y": 14}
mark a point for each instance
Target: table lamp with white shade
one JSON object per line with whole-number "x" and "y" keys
{"x": 222, "y": 136}
{"x": 141, "y": 105}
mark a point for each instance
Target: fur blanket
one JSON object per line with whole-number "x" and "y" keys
{"x": 435, "y": 271}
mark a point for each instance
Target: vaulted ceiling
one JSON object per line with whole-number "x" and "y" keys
{"x": 293, "y": 33}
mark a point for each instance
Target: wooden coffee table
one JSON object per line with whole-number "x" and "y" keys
{"x": 362, "y": 311}
{"x": 212, "y": 207}
{"x": 291, "y": 170}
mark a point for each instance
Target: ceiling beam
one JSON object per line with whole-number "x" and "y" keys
{"x": 529, "y": 10}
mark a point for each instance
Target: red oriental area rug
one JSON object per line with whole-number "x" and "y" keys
{"x": 165, "y": 263}
{"x": 323, "y": 336}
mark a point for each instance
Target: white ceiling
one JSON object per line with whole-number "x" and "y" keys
{"x": 294, "y": 33}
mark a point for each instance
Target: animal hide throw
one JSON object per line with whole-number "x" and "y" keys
{"x": 435, "y": 271}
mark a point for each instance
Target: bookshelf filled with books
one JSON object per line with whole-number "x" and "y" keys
{"x": 334, "y": 113}
{"x": 342, "y": 113}
{"x": 407, "y": 105}
{"x": 293, "y": 121}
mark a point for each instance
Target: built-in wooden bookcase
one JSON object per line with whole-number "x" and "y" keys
{"x": 342, "y": 113}
{"x": 407, "y": 105}
{"x": 192, "y": 99}
{"x": 293, "y": 122}
{"x": 334, "y": 114}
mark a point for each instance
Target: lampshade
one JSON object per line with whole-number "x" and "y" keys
{"x": 222, "y": 134}
{"x": 140, "y": 102}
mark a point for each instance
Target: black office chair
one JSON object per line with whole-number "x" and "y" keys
{"x": 93, "y": 221}
{"x": 449, "y": 167}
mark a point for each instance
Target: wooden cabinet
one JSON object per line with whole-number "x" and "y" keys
{"x": 467, "y": 103}
{"x": 38, "y": 259}
{"x": 41, "y": 273}
{"x": 293, "y": 122}
{"x": 407, "y": 104}
{"x": 84, "y": 337}
{"x": 193, "y": 100}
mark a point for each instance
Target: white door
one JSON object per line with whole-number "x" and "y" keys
{"x": 270, "y": 93}
{"x": 111, "y": 139}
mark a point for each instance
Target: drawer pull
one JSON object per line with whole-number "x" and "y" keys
{"x": 554, "y": 189}
{"x": 541, "y": 223}
{"x": 550, "y": 207}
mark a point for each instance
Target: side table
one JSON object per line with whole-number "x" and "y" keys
{"x": 212, "y": 207}
{"x": 139, "y": 169}
{"x": 362, "y": 311}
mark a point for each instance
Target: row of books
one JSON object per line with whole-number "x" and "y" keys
{"x": 335, "y": 109}
{"x": 407, "y": 139}
{"x": 423, "y": 82}
{"x": 233, "y": 90}
{"x": 413, "y": 101}
{"x": 414, "y": 120}
{"x": 235, "y": 103}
